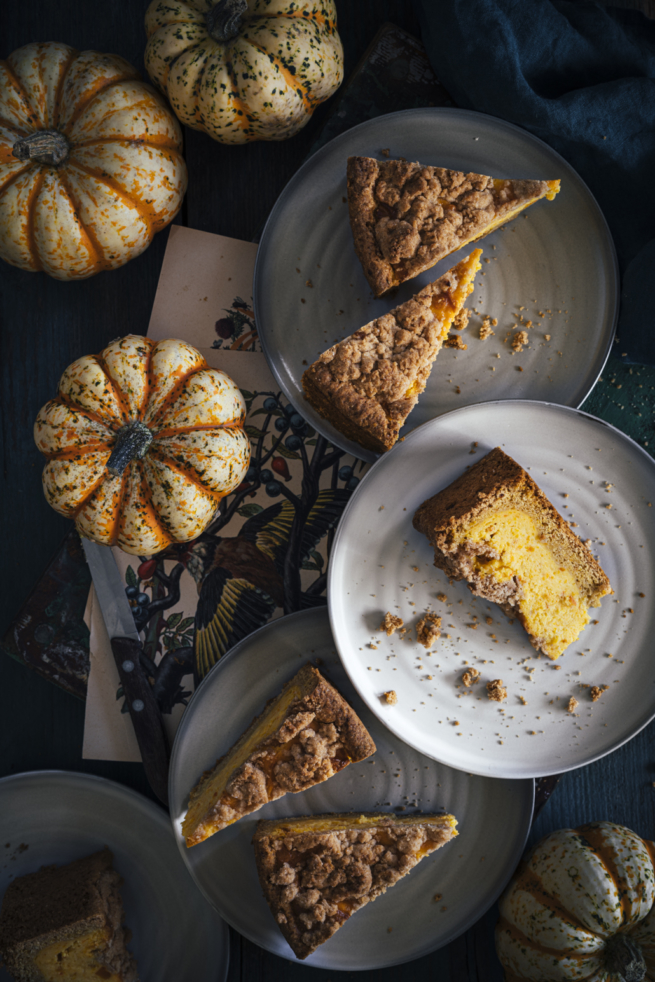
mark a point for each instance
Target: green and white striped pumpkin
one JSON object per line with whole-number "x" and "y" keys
{"x": 581, "y": 907}
{"x": 242, "y": 70}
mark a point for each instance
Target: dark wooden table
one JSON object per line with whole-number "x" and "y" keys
{"x": 46, "y": 324}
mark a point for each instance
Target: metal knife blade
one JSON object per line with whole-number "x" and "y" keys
{"x": 127, "y": 650}
{"x": 110, "y": 591}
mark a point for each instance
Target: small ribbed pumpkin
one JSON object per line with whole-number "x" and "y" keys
{"x": 143, "y": 441}
{"x": 581, "y": 907}
{"x": 242, "y": 70}
{"x": 90, "y": 161}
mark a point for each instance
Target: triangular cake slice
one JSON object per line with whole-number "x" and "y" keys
{"x": 406, "y": 217}
{"x": 305, "y": 735}
{"x": 65, "y": 923}
{"x": 317, "y": 871}
{"x": 495, "y": 528}
{"x": 367, "y": 384}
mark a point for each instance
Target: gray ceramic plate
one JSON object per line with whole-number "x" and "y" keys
{"x": 61, "y": 816}
{"x": 603, "y": 483}
{"x": 557, "y": 258}
{"x": 494, "y": 816}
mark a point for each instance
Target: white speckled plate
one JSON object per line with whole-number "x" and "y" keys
{"x": 380, "y": 563}
{"x": 61, "y": 816}
{"x": 556, "y": 258}
{"x": 494, "y": 816}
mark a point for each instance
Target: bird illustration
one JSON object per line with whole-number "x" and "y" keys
{"x": 240, "y": 578}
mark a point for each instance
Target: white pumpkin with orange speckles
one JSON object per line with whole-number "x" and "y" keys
{"x": 242, "y": 70}
{"x": 90, "y": 161}
{"x": 143, "y": 441}
{"x": 581, "y": 906}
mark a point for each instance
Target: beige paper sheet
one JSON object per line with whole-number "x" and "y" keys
{"x": 205, "y": 287}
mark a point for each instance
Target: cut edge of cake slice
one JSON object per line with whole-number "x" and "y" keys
{"x": 67, "y": 917}
{"x": 367, "y": 385}
{"x": 304, "y": 736}
{"x": 309, "y": 906}
{"x": 495, "y": 528}
{"x": 406, "y": 217}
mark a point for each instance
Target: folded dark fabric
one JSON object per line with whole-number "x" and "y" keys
{"x": 582, "y": 78}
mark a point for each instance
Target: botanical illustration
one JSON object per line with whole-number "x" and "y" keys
{"x": 281, "y": 519}
{"x": 237, "y": 329}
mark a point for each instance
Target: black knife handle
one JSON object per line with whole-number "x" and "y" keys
{"x": 145, "y": 714}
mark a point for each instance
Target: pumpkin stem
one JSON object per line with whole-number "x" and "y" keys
{"x": 43, "y": 146}
{"x": 624, "y": 957}
{"x": 132, "y": 443}
{"x": 224, "y": 19}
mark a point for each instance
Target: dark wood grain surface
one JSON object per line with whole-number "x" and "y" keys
{"x": 47, "y": 324}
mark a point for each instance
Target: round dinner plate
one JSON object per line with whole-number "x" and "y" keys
{"x": 600, "y": 481}
{"x": 55, "y": 817}
{"x": 554, "y": 265}
{"x": 406, "y": 922}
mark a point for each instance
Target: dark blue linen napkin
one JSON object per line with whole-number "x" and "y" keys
{"x": 582, "y": 78}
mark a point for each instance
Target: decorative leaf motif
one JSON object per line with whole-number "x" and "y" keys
{"x": 255, "y": 433}
{"x": 317, "y": 557}
{"x": 266, "y": 412}
{"x": 130, "y": 577}
{"x": 173, "y": 620}
{"x": 285, "y": 452}
{"x": 247, "y": 511}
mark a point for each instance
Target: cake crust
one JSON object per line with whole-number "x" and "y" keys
{"x": 367, "y": 384}
{"x": 316, "y": 872}
{"x": 305, "y": 735}
{"x": 62, "y": 905}
{"x": 405, "y": 217}
{"x": 498, "y": 483}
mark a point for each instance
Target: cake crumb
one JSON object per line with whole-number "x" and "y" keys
{"x": 428, "y": 629}
{"x": 596, "y": 692}
{"x": 573, "y": 705}
{"x": 437, "y": 897}
{"x": 461, "y": 319}
{"x": 390, "y": 623}
{"x": 519, "y": 339}
{"x": 454, "y": 341}
{"x": 443, "y": 598}
{"x": 485, "y": 330}
{"x": 470, "y": 677}
{"x": 390, "y": 697}
{"x": 496, "y": 690}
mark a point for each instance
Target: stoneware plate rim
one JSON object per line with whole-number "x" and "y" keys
{"x": 306, "y": 622}
{"x": 610, "y": 275}
{"x": 396, "y": 723}
{"x": 213, "y": 966}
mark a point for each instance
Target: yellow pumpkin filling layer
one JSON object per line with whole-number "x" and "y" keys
{"x": 550, "y": 604}
{"x": 305, "y": 736}
{"x": 508, "y": 216}
{"x": 367, "y": 384}
{"x": 75, "y": 961}
{"x": 210, "y": 792}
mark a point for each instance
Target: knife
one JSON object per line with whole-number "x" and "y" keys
{"x": 126, "y": 648}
